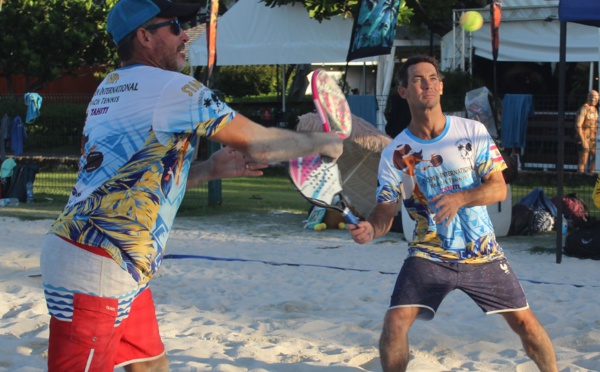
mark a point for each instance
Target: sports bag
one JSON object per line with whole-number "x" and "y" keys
{"x": 541, "y": 222}
{"x": 583, "y": 243}
{"x": 574, "y": 209}
{"x": 521, "y": 220}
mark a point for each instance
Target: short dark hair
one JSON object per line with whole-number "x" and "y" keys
{"x": 403, "y": 72}
{"x": 126, "y": 45}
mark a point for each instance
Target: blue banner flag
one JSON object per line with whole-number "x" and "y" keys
{"x": 374, "y": 29}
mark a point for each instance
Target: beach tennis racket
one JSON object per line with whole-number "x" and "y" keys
{"x": 319, "y": 179}
{"x": 320, "y": 182}
{"x": 331, "y": 104}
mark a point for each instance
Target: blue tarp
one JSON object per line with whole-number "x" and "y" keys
{"x": 536, "y": 200}
{"x": 586, "y": 12}
{"x": 364, "y": 106}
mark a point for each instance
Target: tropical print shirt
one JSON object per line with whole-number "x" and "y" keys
{"x": 138, "y": 142}
{"x": 416, "y": 170}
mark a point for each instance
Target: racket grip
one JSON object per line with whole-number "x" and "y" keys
{"x": 350, "y": 217}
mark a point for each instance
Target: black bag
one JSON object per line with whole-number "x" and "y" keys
{"x": 583, "y": 243}
{"x": 22, "y": 174}
{"x": 522, "y": 219}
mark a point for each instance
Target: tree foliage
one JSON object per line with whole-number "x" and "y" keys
{"x": 242, "y": 81}
{"x": 44, "y": 39}
{"x": 325, "y": 9}
{"x": 436, "y": 15}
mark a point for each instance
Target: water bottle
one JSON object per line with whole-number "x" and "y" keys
{"x": 9, "y": 202}
{"x": 29, "y": 188}
{"x": 564, "y": 230}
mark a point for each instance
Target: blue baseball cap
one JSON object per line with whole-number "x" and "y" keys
{"x": 127, "y": 15}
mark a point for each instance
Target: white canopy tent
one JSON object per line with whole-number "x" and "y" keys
{"x": 250, "y": 33}
{"x": 529, "y": 32}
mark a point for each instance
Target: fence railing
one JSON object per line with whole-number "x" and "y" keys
{"x": 53, "y": 141}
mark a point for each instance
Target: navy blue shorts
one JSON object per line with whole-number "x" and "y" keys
{"x": 424, "y": 283}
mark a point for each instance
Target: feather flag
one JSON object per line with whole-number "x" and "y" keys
{"x": 495, "y": 17}
{"x": 374, "y": 29}
{"x": 211, "y": 37}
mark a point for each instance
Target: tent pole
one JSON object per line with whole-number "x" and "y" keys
{"x": 283, "y": 88}
{"x": 597, "y": 158}
{"x": 364, "y": 78}
{"x": 561, "y": 137}
{"x": 591, "y": 77}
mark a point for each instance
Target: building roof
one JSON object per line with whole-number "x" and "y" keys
{"x": 193, "y": 33}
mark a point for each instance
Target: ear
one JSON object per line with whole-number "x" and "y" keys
{"x": 142, "y": 35}
{"x": 441, "y": 87}
{"x": 402, "y": 91}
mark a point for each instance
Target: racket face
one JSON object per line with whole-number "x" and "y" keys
{"x": 331, "y": 104}
{"x": 317, "y": 181}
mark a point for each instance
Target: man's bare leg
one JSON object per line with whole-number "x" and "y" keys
{"x": 534, "y": 337}
{"x": 393, "y": 344}
{"x": 157, "y": 365}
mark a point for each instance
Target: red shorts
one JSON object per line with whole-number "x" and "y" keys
{"x": 91, "y": 342}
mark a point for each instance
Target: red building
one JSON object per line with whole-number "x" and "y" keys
{"x": 81, "y": 82}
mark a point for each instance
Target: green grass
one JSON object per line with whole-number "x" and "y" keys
{"x": 273, "y": 191}
{"x": 267, "y": 193}
{"x": 542, "y": 250}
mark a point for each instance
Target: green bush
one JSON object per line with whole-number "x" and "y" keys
{"x": 456, "y": 84}
{"x": 59, "y": 129}
{"x": 242, "y": 81}
{"x": 12, "y": 106}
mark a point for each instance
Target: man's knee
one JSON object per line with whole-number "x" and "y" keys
{"x": 157, "y": 365}
{"x": 399, "y": 320}
{"x": 523, "y": 322}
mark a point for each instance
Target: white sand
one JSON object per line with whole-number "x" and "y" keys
{"x": 235, "y": 316}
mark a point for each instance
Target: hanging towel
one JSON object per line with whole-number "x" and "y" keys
{"x": 7, "y": 168}
{"x": 516, "y": 110}
{"x": 34, "y": 105}
{"x": 18, "y": 135}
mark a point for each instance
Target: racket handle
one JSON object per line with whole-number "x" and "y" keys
{"x": 350, "y": 217}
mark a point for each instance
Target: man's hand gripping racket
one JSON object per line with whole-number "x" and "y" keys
{"x": 317, "y": 178}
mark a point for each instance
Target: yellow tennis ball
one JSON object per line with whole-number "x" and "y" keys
{"x": 342, "y": 226}
{"x": 471, "y": 21}
{"x": 320, "y": 226}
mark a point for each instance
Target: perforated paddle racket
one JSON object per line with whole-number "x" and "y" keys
{"x": 318, "y": 179}
{"x": 331, "y": 104}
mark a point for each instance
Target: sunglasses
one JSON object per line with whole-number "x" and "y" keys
{"x": 174, "y": 23}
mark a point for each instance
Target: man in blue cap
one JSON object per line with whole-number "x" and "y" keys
{"x": 138, "y": 142}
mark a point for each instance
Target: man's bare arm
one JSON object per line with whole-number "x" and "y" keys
{"x": 377, "y": 224}
{"x": 265, "y": 145}
{"x": 225, "y": 163}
